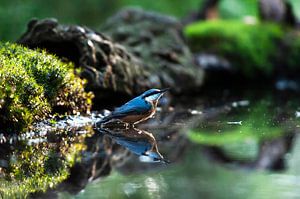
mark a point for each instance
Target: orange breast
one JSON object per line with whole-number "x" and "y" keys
{"x": 136, "y": 118}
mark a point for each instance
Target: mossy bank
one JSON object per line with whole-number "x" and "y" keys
{"x": 34, "y": 85}
{"x": 251, "y": 49}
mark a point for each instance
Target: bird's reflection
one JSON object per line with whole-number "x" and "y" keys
{"x": 137, "y": 141}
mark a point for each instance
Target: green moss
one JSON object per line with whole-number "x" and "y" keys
{"x": 249, "y": 48}
{"x": 34, "y": 85}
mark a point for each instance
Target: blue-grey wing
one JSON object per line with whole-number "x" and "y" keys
{"x": 135, "y": 106}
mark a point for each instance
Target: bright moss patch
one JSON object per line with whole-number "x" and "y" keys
{"x": 34, "y": 85}
{"x": 250, "y": 48}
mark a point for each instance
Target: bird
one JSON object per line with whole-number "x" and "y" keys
{"x": 138, "y": 109}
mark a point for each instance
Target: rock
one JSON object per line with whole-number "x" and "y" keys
{"x": 157, "y": 40}
{"x": 106, "y": 65}
{"x": 279, "y": 11}
{"x": 154, "y": 57}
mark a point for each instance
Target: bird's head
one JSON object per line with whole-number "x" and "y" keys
{"x": 153, "y": 95}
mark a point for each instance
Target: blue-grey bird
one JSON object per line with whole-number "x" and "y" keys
{"x": 138, "y": 109}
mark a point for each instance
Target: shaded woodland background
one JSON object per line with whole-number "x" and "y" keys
{"x": 14, "y": 15}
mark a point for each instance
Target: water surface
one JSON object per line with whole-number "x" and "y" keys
{"x": 231, "y": 147}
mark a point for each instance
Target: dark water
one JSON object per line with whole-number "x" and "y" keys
{"x": 230, "y": 147}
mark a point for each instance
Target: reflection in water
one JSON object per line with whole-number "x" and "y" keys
{"x": 67, "y": 158}
{"x": 66, "y": 155}
{"x": 263, "y": 140}
{"x": 137, "y": 141}
{"x": 252, "y": 135}
{"x": 153, "y": 187}
{"x": 37, "y": 161}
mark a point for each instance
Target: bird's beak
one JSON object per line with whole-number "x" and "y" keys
{"x": 164, "y": 90}
{"x": 165, "y": 161}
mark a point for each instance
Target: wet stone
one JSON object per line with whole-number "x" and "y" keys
{"x": 106, "y": 65}
{"x": 157, "y": 40}
{"x": 146, "y": 51}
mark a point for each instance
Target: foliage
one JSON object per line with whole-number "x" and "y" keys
{"x": 236, "y": 9}
{"x": 295, "y": 7}
{"x": 91, "y": 13}
{"x": 94, "y": 12}
{"x": 249, "y": 47}
{"x": 34, "y": 85}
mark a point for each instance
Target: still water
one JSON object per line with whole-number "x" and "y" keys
{"x": 232, "y": 147}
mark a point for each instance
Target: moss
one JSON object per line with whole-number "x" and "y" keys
{"x": 250, "y": 48}
{"x": 34, "y": 85}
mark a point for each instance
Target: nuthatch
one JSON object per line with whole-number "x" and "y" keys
{"x": 138, "y": 109}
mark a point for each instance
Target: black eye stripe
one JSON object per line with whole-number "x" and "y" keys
{"x": 153, "y": 93}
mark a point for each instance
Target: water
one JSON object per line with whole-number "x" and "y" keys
{"x": 231, "y": 147}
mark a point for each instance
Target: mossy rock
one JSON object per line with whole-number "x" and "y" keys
{"x": 107, "y": 66}
{"x": 35, "y": 85}
{"x": 250, "y": 48}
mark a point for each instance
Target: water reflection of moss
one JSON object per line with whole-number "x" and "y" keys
{"x": 259, "y": 123}
{"x": 38, "y": 167}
